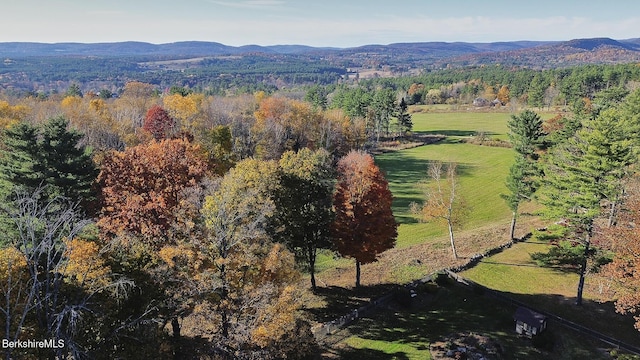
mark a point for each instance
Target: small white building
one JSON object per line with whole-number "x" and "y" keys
{"x": 529, "y": 322}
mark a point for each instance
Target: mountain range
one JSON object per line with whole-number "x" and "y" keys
{"x": 539, "y": 54}
{"x": 52, "y": 67}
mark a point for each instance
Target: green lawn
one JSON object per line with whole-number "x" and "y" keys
{"x": 407, "y": 333}
{"x": 482, "y": 171}
{"x": 513, "y": 273}
{"x": 462, "y": 123}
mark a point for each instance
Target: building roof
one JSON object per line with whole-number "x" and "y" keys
{"x": 529, "y": 316}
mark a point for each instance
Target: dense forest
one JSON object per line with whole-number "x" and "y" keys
{"x": 214, "y": 75}
{"x": 165, "y": 214}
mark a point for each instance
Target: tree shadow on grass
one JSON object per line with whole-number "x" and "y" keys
{"x": 456, "y": 309}
{"x": 366, "y": 354}
{"x": 341, "y": 301}
{"x": 406, "y": 174}
{"x": 456, "y": 133}
{"x": 426, "y": 319}
{"x": 595, "y": 315}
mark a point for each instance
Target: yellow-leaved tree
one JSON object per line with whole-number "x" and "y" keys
{"x": 186, "y": 110}
{"x": 442, "y": 200}
{"x": 254, "y": 297}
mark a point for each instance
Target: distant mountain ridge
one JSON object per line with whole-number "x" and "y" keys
{"x": 430, "y": 55}
{"x": 204, "y": 48}
{"x": 558, "y": 54}
{"x": 133, "y": 48}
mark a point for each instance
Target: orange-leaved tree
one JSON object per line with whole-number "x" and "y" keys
{"x": 150, "y": 197}
{"x": 364, "y": 225}
{"x": 625, "y": 267}
{"x": 143, "y": 188}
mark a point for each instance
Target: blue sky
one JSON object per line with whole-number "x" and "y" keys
{"x": 336, "y": 23}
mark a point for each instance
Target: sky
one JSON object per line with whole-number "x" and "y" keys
{"x": 323, "y": 23}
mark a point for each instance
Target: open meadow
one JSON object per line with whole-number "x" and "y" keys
{"x": 481, "y": 171}
{"x": 423, "y": 248}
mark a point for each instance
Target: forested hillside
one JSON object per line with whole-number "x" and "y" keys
{"x": 220, "y": 69}
{"x": 157, "y": 208}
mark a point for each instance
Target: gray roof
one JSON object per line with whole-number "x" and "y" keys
{"x": 529, "y": 316}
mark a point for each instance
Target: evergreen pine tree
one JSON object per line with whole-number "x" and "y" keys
{"x": 48, "y": 157}
{"x": 404, "y": 118}
{"x": 66, "y": 166}
{"x": 526, "y": 136}
{"x": 584, "y": 172}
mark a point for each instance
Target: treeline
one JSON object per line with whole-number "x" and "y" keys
{"x": 177, "y": 225}
{"x": 249, "y": 73}
{"x": 525, "y": 87}
{"x": 582, "y": 169}
{"x": 234, "y": 74}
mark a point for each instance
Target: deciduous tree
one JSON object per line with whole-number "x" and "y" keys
{"x": 158, "y": 123}
{"x": 364, "y": 225}
{"x": 624, "y": 240}
{"x": 143, "y": 190}
{"x": 252, "y": 283}
{"x": 503, "y": 95}
{"x": 150, "y": 197}
{"x": 236, "y": 216}
{"x": 52, "y": 278}
{"x": 442, "y": 200}
{"x": 186, "y": 110}
{"x": 304, "y": 205}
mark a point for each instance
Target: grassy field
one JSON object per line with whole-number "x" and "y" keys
{"x": 481, "y": 171}
{"x": 467, "y": 123}
{"x": 406, "y": 334}
{"x": 461, "y": 124}
{"x": 512, "y": 271}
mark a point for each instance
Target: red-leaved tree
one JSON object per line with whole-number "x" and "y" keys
{"x": 364, "y": 225}
{"x": 158, "y": 123}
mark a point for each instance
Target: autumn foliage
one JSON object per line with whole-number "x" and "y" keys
{"x": 364, "y": 225}
{"x": 158, "y": 123}
{"x": 624, "y": 269}
{"x": 144, "y": 188}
